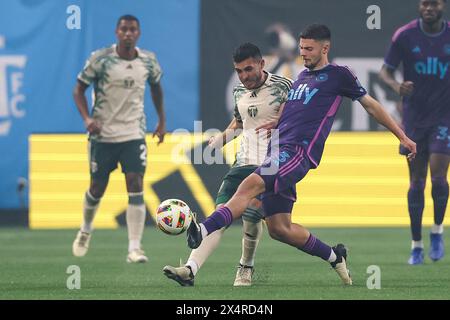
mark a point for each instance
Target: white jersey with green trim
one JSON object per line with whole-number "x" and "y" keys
{"x": 119, "y": 87}
{"x": 253, "y": 108}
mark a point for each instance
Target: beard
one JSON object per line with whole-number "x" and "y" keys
{"x": 311, "y": 65}
{"x": 439, "y": 15}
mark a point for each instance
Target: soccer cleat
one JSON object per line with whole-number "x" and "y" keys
{"x": 137, "y": 256}
{"x": 436, "y": 246}
{"x": 194, "y": 233}
{"x": 183, "y": 275}
{"x": 340, "y": 265}
{"x": 80, "y": 245}
{"x": 243, "y": 276}
{"x": 416, "y": 256}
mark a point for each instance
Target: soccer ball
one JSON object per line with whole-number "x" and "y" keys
{"x": 173, "y": 216}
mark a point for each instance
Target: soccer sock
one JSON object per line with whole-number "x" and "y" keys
{"x": 416, "y": 204}
{"x": 220, "y": 218}
{"x": 90, "y": 206}
{"x": 203, "y": 231}
{"x": 439, "y": 192}
{"x": 209, "y": 244}
{"x": 252, "y": 233}
{"x": 193, "y": 265}
{"x": 135, "y": 220}
{"x": 315, "y": 247}
{"x": 437, "y": 228}
{"x": 416, "y": 244}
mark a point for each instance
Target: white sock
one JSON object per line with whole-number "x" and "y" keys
{"x": 416, "y": 244}
{"x": 437, "y": 228}
{"x": 209, "y": 244}
{"x": 252, "y": 233}
{"x": 193, "y": 265}
{"x": 135, "y": 223}
{"x": 204, "y": 231}
{"x": 90, "y": 206}
{"x": 332, "y": 257}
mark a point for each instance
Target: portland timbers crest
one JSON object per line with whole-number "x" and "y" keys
{"x": 252, "y": 111}
{"x": 128, "y": 82}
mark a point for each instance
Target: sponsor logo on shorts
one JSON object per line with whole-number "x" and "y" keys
{"x": 94, "y": 167}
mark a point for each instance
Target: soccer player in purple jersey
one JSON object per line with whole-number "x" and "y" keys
{"x": 423, "y": 47}
{"x": 302, "y": 130}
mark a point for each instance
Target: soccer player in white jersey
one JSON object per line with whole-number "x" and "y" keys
{"x": 258, "y": 101}
{"x": 117, "y": 127}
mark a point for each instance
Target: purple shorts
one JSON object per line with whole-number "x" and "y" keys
{"x": 429, "y": 140}
{"x": 281, "y": 171}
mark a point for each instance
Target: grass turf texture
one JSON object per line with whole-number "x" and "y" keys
{"x": 33, "y": 265}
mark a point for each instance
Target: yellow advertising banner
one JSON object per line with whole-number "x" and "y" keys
{"x": 361, "y": 181}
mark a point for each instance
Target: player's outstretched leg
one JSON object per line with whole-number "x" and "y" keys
{"x": 185, "y": 274}
{"x": 250, "y": 187}
{"x": 282, "y": 229}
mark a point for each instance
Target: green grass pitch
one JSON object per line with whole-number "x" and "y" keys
{"x": 33, "y": 265}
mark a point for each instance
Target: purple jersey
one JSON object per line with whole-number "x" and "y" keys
{"x": 312, "y": 105}
{"x": 425, "y": 59}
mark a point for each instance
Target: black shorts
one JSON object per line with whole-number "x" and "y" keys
{"x": 104, "y": 157}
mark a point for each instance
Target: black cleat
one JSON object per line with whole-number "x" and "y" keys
{"x": 183, "y": 275}
{"x": 340, "y": 265}
{"x": 194, "y": 234}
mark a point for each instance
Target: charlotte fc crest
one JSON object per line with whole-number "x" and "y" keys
{"x": 252, "y": 111}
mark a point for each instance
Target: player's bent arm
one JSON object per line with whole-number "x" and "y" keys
{"x": 387, "y": 76}
{"x": 375, "y": 109}
{"x": 92, "y": 126}
{"x": 80, "y": 100}
{"x": 232, "y": 131}
{"x": 158, "y": 101}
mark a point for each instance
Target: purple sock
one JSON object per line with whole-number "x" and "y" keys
{"x": 317, "y": 248}
{"x": 439, "y": 192}
{"x": 416, "y": 203}
{"x": 219, "y": 219}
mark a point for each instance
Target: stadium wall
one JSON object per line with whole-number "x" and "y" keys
{"x": 361, "y": 181}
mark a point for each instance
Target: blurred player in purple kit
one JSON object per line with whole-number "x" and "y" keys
{"x": 303, "y": 128}
{"x": 423, "y": 47}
